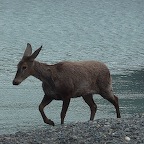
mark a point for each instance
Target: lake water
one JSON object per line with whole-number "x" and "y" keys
{"x": 108, "y": 31}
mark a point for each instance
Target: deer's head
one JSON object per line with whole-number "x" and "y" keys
{"x": 25, "y": 66}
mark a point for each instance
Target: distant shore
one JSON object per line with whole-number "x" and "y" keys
{"x": 104, "y": 131}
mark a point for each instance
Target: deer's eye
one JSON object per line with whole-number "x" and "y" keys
{"x": 24, "y": 68}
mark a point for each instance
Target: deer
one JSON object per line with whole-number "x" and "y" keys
{"x": 65, "y": 80}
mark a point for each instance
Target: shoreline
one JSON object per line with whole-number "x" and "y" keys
{"x": 123, "y": 130}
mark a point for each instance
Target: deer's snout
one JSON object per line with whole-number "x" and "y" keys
{"x": 15, "y": 82}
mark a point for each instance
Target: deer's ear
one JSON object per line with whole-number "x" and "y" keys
{"x": 28, "y": 51}
{"x": 35, "y": 54}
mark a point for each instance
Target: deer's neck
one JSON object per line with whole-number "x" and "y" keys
{"x": 40, "y": 70}
{"x": 43, "y": 72}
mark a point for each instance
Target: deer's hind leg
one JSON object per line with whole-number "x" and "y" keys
{"x": 46, "y": 100}
{"x": 93, "y": 107}
{"x": 108, "y": 94}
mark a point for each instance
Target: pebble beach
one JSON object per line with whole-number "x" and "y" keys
{"x": 101, "y": 131}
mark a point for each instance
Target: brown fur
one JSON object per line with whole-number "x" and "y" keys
{"x": 66, "y": 80}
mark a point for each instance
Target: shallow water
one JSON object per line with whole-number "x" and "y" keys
{"x": 112, "y": 32}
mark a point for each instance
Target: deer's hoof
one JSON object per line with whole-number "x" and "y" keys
{"x": 50, "y": 122}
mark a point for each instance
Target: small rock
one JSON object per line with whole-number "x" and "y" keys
{"x": 127, "y": 138}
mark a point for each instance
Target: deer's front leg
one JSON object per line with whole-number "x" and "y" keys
{"x": 64, "y": 109}
{"x": 46, "y": 100}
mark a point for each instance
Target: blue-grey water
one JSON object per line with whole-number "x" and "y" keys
{"x": 108, "y": 31}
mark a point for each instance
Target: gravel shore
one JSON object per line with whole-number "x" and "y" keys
{"x": 101, "y": 131}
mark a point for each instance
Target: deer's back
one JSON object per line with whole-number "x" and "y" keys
{"x": 86, "y": 69}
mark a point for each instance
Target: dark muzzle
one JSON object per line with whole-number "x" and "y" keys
{"x": 15, "y": 82}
